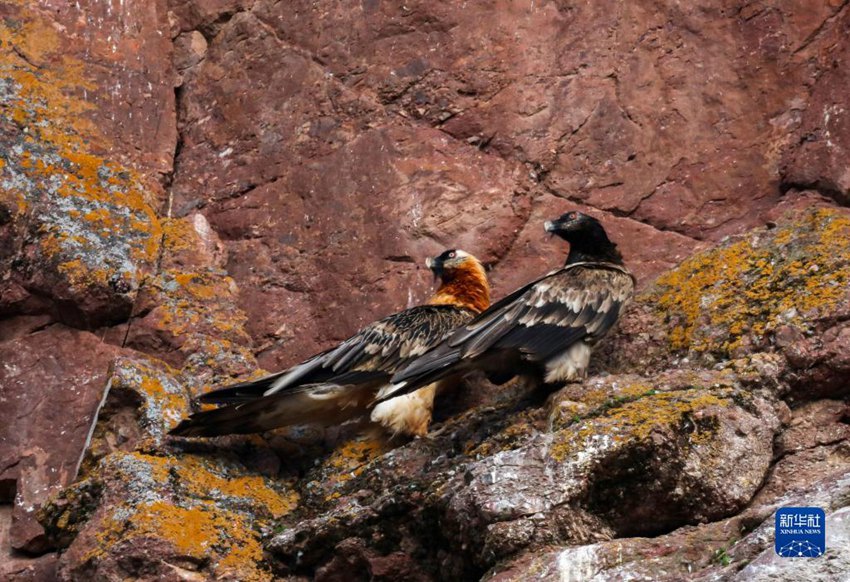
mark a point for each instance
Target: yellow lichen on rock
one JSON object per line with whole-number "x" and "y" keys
{"x": 199, "y": 534}
{"x": 46, "y": 100}
{"x": 178, "y": 234}
{"x": 98, "y": 234}
{"x": 741, "y": 291}
{"x": 665, "y": 409}
{"x": 636, "y": 420}
{"x": 351, "y": 457}
{"x": 162, "y": 400}
{"x": 194, "y": 300}
{"x": 200, "y": 478}
{"x": 208, "y": 511}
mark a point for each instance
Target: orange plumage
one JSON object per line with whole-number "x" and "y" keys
{"x": 464, "y": 284}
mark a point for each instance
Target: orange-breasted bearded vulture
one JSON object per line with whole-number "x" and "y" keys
{"x": 341, "y": 383}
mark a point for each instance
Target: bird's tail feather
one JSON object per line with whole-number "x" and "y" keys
{"x": 327, "y": 404}
{"x": 241, "y": 392}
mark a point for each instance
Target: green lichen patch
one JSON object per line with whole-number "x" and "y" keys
{"x": 732, "y": 297}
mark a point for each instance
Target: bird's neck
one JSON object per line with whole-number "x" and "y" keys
{"x": 594, "y": 249}
{"x": 465, "y": 287}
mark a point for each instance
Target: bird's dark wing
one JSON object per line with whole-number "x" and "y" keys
{"x": 326, "y": 404}
{"x": 375, "y": 352}
{"x": 579, "y": 302}
{"x": 331, "y": 387}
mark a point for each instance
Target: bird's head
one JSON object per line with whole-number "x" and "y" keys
{"x": 464, "y": 280}
{"x": 588, "y": 239}
{"x": 573, "y": 225}
{"x": 448, "y": 264}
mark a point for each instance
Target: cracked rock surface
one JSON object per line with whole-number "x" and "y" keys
{"x": 192, "y": 191}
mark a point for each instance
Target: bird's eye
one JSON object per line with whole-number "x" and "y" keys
{"x": 452, "y": 254}
{"x": 571, "y": 215}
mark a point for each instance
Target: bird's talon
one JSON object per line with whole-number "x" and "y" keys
{"x": 435, "y": 434}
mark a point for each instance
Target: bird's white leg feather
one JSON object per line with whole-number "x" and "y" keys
{"x": 569, "y": 366}
{"x": 408, "y": 414}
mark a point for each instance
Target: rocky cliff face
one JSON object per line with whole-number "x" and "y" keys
{"x": 194, "y": 190}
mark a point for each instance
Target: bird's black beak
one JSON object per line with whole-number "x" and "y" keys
{"x": 436, "y": 266}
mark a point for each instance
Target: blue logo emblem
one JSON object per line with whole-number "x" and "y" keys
{"x": 800, "y": 532}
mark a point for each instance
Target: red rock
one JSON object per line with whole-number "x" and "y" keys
{"x": 51, "y": 384}
{"x": 275, "y": 148}
{"x": 125, "y": 73}
{"x": 188, "y": 15}
{"x": 333, "y": 146}
{"x": 818, "y": 157}
{"x": 187, "y": 313}
{"x": 621, "y": 124}
{"x": 17, "y": 567}
{"x": 739, "y": 548}
{"x": 297, "y": 235}
{"x": 181, "y": 516}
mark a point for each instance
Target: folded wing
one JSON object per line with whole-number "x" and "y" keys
{"x": 536, "y": 323}
{"x": 332, "y": 386}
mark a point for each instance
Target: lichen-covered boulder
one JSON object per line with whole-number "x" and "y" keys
{"x": 733, "y": 299}
{"x": 737, "y": 548}
{"x": 783, "y": 289}
{"x": 617, "y": 455}
{"x": 164, "y": 515}
{"x": 144, "y": 505}
{"x": 188, "y": 312}
{"x": 648, "y": 455}
{"x": 144, "y": 399}
{"x": 80, "y": 231}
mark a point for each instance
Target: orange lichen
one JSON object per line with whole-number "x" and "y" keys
{"x": 167, "y": 400}
{"x": 506, "y": 438}
{"x": 351, "y": 458}
{"x": 637, "y": 419}
{"x": 179, "y": 234}
{"x": 748, "y": 287}
{"x": 199, "y": 285}
{"x": 201, "y": 480}
{"x": 36, "y": 40}
{"x": 98, "y": 215}
{"x": 207, "y": 510}
{"x": 194, "y": 303}
{"x": 201, "y": 532}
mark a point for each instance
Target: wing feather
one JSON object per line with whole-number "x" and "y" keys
{"x": 541, "y": 320}
{"x": 377, "y": 350}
